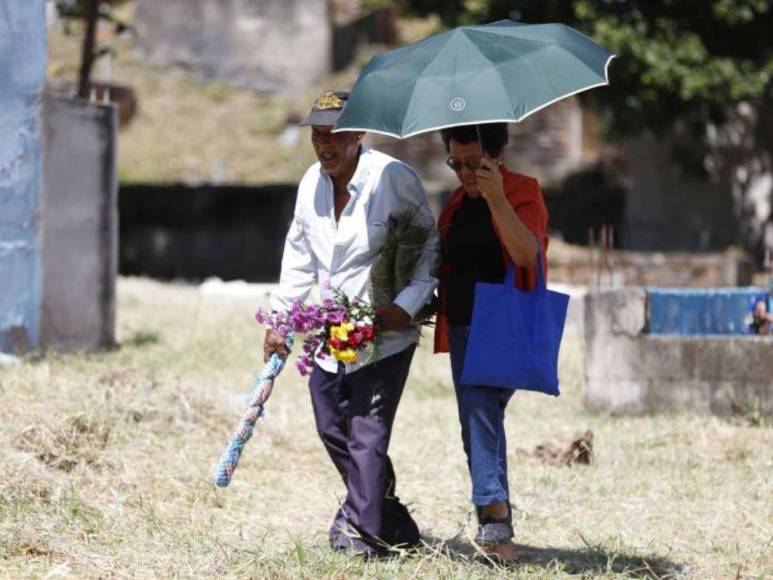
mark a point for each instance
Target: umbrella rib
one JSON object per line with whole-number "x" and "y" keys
{"x": 548, "y": 45}
{"x": 538, "y": 72}
{"x": 605, "y": 82}
{"x": 494, "y": 66}
{"x": 565, "y": 95}
{"x": 416, "y": 80}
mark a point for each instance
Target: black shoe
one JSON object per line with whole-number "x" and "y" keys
{"x": 345, "y": 538}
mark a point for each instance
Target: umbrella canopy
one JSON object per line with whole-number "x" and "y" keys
{"x": 499, "y": 72}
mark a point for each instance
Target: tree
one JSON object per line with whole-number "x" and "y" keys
{"x": 88, "y": 55}
{"x": 90, "y": 11}
{"x": 681, "y": 61}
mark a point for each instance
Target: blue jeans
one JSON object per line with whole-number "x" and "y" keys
{"x": 481, "y": 414}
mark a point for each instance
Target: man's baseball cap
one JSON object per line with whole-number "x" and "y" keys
{"x": 326, "y": 108}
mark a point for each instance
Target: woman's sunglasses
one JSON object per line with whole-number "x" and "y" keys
{"x": 472, "y": 164}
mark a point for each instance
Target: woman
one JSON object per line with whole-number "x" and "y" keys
{"x": 494, "y": 218}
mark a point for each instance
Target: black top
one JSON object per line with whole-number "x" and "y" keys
{"x": 473, "y": 252}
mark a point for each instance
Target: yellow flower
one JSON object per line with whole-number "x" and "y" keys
{"x": 348, "y": 355}
{"x": 341, "y": 332}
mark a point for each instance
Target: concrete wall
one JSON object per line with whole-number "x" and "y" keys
{"x": 630, "y": 372}
{"x": 270, "y": 45}
{"x": 582, "y": 266}
{"x": 80, "y": 224}
{"x": 196, "y": 232}
{"x": 22, "y": 78}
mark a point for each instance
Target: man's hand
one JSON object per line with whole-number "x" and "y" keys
{"x": 392, "y": 317}
{"x": 274, "y": 343}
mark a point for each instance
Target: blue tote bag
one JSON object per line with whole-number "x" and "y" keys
{"x": 515, "y": 336}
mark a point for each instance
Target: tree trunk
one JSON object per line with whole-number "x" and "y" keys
{"x": 89, "y": 40}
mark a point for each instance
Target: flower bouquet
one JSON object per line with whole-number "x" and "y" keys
{"x": 339, "y": 327}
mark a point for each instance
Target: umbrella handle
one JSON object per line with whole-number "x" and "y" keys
{"x": 480, "y": 140}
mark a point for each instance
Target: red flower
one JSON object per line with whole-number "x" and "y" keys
{"x": 368, "y": 332}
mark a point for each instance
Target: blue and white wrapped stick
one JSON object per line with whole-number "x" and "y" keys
{"x": 261, "y": 391}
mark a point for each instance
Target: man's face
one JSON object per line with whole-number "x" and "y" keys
{"x": 337, "y": 152}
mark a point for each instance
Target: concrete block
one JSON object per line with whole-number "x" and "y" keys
{"x": 80, "y": 225}
{"x": 628, "y": 371}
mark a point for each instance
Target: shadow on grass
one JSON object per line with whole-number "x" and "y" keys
{"x": 582, "y": 562}
{"x": 598, "y": 560}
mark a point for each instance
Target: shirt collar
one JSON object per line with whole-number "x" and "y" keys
{"x": 360, "y": 177}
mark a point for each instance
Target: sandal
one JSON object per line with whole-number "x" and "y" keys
{"x": 494, "y": 537}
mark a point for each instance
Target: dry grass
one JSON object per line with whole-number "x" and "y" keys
{"x": 106, "y": 463}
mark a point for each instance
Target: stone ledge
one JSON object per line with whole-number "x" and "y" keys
{"x": 630, "y": 372}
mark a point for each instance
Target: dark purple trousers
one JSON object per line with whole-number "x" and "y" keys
{"x": 354, "y": 415}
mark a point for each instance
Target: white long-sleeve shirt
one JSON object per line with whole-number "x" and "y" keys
{"x": 341, "y": 255}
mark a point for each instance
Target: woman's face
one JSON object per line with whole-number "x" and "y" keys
{"x": 467, "y": 157}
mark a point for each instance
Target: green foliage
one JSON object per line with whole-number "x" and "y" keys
{"x": 677, "y": 60}
{"x": 399, "y": 257}
{"x": 457, "y": 12}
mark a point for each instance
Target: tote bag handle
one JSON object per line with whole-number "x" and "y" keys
{"x": 509, "y": 280}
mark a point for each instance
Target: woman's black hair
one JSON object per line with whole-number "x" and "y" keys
{"x": 493, "y": 136}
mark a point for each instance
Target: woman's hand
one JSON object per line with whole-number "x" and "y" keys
{"x": 489, "y": 180}
{"x": 520, "y": 243}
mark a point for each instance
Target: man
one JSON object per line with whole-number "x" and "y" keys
{"x": 761, "y": 320}
{"x": 345, "y": 205}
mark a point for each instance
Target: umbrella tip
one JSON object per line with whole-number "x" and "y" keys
{"x": 515, "y": 15}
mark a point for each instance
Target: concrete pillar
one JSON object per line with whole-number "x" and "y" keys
{"x": 80, "y": 224}
{"x": 22, "y": 79}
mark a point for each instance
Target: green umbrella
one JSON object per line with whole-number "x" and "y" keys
{"x": 499, "y": 72}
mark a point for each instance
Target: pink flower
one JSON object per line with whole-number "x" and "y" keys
{"x": 335, "y": 316}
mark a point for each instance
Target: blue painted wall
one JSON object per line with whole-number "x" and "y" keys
{"x": 22, "y": 79}
{"x": 693, "y": 311}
